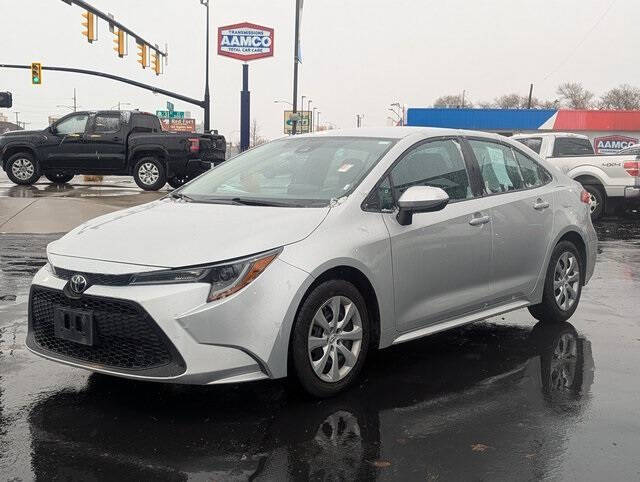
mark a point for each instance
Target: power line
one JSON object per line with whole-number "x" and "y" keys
{"x": 582, "y": 40}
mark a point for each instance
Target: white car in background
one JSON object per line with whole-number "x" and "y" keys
{"x": 613, "y": 181}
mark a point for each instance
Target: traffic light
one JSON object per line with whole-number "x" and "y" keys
{"x": 143, "y": 58}
{"x": 6, "y": 100}
{"x": 120, "y": 42}
{"x": 90, "y": 24}
{"x": 156, "y": 62}
{"x": 36, "y": 73}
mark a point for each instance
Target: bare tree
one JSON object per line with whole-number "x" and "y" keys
{"x": 254, "y": 134}
{"x": 451, "y": 102}
{"x": 624, "y": 97}
{"x": 574, "y": 96}
{"x": 508, "y": 101}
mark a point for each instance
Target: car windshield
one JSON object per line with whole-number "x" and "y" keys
{"x": 307, "y": 171}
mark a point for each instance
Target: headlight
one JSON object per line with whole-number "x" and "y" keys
{"x": 225, "y": 279}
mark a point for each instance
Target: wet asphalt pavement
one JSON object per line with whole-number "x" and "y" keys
{"x": 504, "y": 399}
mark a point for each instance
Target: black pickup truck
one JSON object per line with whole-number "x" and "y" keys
{"x": 129, "y": 143}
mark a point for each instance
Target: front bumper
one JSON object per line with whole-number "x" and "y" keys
{"x": 240, "y": 338}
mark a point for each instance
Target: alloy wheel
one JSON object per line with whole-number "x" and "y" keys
{"x": 566, "y": 281}
{"x": 593, "y": 203}
{"x": 335, "y": 339}
{"x": 23, "y": 169}
{"x": 148, "y": 173}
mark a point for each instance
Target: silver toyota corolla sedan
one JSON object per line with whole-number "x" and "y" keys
{"x": 301, "y": 256}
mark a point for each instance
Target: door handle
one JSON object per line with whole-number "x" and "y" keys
{"x": 539, "y": 205}
{"x": 479, "y": 221}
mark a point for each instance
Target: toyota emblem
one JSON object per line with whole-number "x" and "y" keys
{"x": 78, "y": 283}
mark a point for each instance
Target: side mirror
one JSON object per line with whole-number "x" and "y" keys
{"x": 420, "y": 199}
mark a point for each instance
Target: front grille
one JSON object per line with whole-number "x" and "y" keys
{"x": 125, "y": 337}
{"x": 95, "y": 278}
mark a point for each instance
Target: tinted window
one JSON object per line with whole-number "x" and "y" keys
{"x": 498, "y": 166}
{"x": 572, "y": 146}
{"x": 145, "y": 123}
{"x": 72, "y": 125}
{"x": 439, "y": 164}
{"x": 533, "y": 143}
{"x": 107, "y": 123}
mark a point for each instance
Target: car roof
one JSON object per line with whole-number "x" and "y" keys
{"x": 400, "y": 132}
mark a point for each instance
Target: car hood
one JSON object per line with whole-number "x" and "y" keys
{"x": 19, "y": 133}
{"x": 171, "y": 234}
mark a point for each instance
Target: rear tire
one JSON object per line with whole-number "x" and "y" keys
{"x": 23, "y": 169}
{"x": 334, "y": 319}
{"x": 149, "y": 174}
{"x": 59, "y": 178}
{"x": 562, "y": 285}
{"x": 598, "y": 200}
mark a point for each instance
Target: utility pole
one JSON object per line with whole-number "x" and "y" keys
{"x": 463, "y": 95}
{"x": 295, "y": 69}
{"x": 359, "y": 118}
{"x": 318, "y": 124}
{"x": 309, "y": 115}
{"x": 313, "y": 118}
{"x": 530, "y": 96}
{"x": 75, "y": 103}
{"x": 17, "y": 121}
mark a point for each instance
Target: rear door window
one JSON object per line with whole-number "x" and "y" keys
{"x": 572, "y": 146}
{"x": 498, "y": 167}
{"x": 533, "y": 174}
{"x": 106, "y": 123}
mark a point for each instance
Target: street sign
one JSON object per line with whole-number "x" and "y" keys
{"x": 170, "y": 114}
{"x": 245, "y": 41}
{"x": 170, "y": 106}
{"x": 303, "y": 120}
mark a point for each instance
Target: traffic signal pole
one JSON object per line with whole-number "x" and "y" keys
{"x": 156, "y": 90}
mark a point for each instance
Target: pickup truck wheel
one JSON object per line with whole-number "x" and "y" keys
{"x": 59, "y": 178}
{"x": 23, "y": 169}
{"x": 596, "y": 202}
{"x": 149, "y": 174}
{"x": 176, "y": 182}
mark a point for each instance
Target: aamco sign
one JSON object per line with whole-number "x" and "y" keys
{"x": 612, "y": 144}
{"x": 245, "y": 41}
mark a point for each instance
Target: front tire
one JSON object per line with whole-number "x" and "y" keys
{"x": 597, "y": 201}
{"x": 59, "y": 178}
{"x": 330, "y": 338}
{"x": 149, "y": 174}
{"x": 23, "y": 169}
{"x": 562, "y": 286}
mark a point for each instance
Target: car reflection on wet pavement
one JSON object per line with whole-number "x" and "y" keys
{"x": 504, "y": 399}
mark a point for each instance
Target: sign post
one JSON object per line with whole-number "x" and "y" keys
{"x": 245, "y": 41}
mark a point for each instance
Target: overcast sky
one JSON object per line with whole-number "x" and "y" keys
{"x": 358, "y": 55}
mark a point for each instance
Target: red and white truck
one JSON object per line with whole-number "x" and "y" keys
{"x": 613, "y": 181}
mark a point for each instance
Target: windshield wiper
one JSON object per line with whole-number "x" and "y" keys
{"x": 262, "y": 202}
{"x": 183, "y": 197}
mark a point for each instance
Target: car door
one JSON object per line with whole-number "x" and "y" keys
{"x": 521, "y": 209}
{"x": 65, "y": 146}
{"x": 441, "y": 261}
{"x": 106, "y": 142}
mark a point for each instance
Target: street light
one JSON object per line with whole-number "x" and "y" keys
{"x": 207, "y": 102}
{"x": 282, "y": 102}
{"x": 309, "y": 114}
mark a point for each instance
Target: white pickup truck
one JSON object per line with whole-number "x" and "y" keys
{"x": 613, "y": 181}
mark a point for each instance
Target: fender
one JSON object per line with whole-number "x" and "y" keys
{"x": 536, "y": 295}
{"x": 592, "y": 171}
{"x": 21, "y": 145}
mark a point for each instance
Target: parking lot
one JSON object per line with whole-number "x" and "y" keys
{"x": 505, "y": 398}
